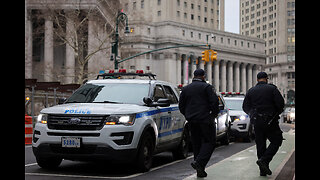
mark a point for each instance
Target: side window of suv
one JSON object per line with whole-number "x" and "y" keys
{"x": 170, "y": 95}
{"x": 158, "y": 93}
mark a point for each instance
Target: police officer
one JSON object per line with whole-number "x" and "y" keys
{"x": 200, "y": 105}
{"x": 264, "y": 104}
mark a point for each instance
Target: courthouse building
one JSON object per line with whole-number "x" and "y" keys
{"x": 157, "y": 24}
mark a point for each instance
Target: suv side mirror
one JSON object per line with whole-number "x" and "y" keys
{"x": 61, "y": 100}
{"x": 162, "y": 102}
{"x": 148, "y": 101}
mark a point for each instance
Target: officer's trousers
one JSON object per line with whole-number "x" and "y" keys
{"x": 203, "y": 138}
{"x": 273, "y": 133}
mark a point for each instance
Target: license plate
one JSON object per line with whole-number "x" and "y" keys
{"x": 70, "y": 142}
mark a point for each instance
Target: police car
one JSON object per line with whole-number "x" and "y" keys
{"x": 113, "y": 118}
{"x": 240, "y": 121}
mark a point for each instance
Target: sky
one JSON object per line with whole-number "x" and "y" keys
{"x": 232, "y": 16}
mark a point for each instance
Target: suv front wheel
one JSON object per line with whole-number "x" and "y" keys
{"x": 48, "y": 162}
{"x": 145, "y": 153}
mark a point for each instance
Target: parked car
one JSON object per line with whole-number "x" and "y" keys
{"x": 240, "y": 121}
{"x": 113, "y": 118}
{"x": 289, "y": 115}
{"x": 223, "y": 122}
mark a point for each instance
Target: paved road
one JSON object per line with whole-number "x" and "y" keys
{"x": 164, "y": 167}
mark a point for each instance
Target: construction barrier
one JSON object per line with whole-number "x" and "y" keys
{"x": 28, "y": 129}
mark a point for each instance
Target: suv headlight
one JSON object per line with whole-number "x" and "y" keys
{"x": 42, "y": 118}
{"x": 241, "y": 118}
{"x": 120, "y": 119}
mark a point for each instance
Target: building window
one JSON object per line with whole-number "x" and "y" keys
{"x": 149, "y": 30}
{"x": 159, "y": 2}
{"x": 159, "y": 13}
{"x": 142, "y": 4}
{"x": 134, "y": 5}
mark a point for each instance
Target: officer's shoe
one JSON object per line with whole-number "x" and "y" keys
{"x": 264, "y": 169}
{"x": 199, "y": 169}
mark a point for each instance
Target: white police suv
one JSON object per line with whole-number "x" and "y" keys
{"x": 240, "y": 121}
{"x": 114, "y": 119}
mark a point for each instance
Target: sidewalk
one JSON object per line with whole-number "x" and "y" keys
{"x": 242, "y": 165}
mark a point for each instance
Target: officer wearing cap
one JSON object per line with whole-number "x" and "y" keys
{"x": 264, "y": 104}
{"x": 200, "y": 106}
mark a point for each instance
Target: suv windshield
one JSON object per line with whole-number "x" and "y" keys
{"x": 234, "y": 104}
{"x": 110, "y": 93}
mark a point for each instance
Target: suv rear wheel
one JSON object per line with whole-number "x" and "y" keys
{"x": 182, "y": 151}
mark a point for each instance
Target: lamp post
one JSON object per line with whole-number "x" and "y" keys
{"x": 121, "y": 17}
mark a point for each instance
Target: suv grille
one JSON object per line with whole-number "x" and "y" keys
{"x": 76, "y": 122}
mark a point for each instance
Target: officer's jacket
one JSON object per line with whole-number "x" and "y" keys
{"x": 263, "y": 98}
{"x": 198, "y": 102}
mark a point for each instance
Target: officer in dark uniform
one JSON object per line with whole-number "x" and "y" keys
{"x": 200, "y": 105}
{"x": 264, "y": 104}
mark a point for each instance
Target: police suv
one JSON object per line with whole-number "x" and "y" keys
{"x": 113, "y": 118}
{"x": 240, "y": 121}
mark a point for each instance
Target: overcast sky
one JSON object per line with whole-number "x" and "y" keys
{"x": 232, "y": 16}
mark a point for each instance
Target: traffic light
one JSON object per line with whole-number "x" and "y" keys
{"x": 213, "y": 56}
{"x": 205, "y": 55}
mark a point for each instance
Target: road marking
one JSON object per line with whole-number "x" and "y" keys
{"x": 32, "y": 164}
{"x": 215, "y": 164}
{"x": 81, "y": 176}
{"x": 109, "y": 177}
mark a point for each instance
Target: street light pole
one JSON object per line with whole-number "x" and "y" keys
{"x": 121, "y": 17}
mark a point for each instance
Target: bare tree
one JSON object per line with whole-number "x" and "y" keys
{"x": 71, "y": 27}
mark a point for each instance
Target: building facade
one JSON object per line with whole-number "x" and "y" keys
{"x": 274, "y": 22}
{"x": 163, "y": 23}
{"x": 156, "y": 24}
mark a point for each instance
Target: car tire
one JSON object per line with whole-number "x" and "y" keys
{"x": 48, "y": 162}
{"x": 249, "y": 136}
{"x": 226, "y": 139}
{"x": 183, "y": 149}
{"x": 145, "y": 153}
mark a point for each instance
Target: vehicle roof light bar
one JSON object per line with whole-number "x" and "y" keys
{"x": 120, "y": 74}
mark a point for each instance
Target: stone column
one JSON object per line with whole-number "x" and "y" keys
{"x": 223, "y": 76}
{"x": 243, "y": 78}
{"x": 254, "y": 75}
{"x": 70, "y": 58}
{"x": 216, "y": 75}
{"x": 28, "y": 46}
{"x": 209, "y": 71}
{"x": 178, "y": 71}
{"x": 237, "y": 77}
{"x": 230, "y": 76}
{"x": 249, "y": 76}
{"x": 48, "y": 50}
{"x": 185, "y": 70}
{"x": 201, "y": 63}
{"x": 193, "y": 66}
